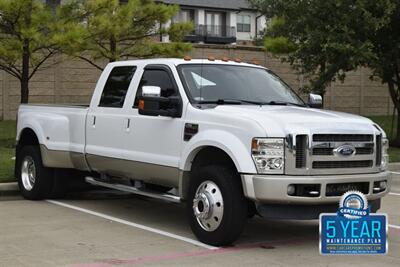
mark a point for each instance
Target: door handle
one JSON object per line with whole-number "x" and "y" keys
{"x": 94, "y": 122}
{"x": 128, "y": 125}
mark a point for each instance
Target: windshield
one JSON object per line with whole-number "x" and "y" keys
{"x": 215, "y": 83}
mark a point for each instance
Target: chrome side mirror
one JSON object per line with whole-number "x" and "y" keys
{"x": 151, "y": 103}
{"x": 154, "y": 91}
{"x": 315, "y": 101}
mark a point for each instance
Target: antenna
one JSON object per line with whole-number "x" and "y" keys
{"x": 201, "y": 74}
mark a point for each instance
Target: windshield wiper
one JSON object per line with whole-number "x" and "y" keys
{"x": 283, "y": 103}
{"x": 241, "y": 101}
{"x": 221, "y": 102}
{"x": 231, "y": 102}
{"x": 253, "y": 102}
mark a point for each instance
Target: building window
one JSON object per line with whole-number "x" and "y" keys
{"x": 214, "y": 23}
{"x": 243, "y": 23}
{"x": 184, "y": 15}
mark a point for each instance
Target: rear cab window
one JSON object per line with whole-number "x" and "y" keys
{"x": 116, "y": 86}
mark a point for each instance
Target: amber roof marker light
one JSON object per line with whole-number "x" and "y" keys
{"x": 211, "y": 58}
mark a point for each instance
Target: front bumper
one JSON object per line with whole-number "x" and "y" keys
{"x": 273, "y": 188}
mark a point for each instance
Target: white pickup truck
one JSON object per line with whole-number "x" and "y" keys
{"x": 230, "y": 139}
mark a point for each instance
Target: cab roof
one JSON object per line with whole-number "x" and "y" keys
{"x": 180, "y": 61}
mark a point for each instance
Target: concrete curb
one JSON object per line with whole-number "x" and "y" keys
{"x": 9, "y": 189}
{"x": 395, "y": 166}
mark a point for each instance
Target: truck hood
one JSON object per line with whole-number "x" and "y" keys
{"x": 279, "y": 121}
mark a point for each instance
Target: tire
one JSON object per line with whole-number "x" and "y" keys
{"x": 60, "y": 183}
{"x": 216, "y": 226}
{"x": 34, "y": 180}
{"x": 251, "y": 209}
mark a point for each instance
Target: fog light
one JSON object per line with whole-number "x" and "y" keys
{"x": 379, "y": 186}
{"x": 382, "y": 185}
{"x": 291, "y": 189}
{"x": 304, "y": 190}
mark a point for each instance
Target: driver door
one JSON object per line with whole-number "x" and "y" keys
{"x": 154, "y": 142}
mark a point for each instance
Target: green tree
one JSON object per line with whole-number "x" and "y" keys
{"x": 326, "y": 39}
{"x": 26, "y": 39}
{"x": 113, "y": 31}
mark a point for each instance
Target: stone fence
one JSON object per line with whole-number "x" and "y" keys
{"x": 73, "y": 81}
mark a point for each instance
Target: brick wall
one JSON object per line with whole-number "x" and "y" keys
{"x": 73, "y": 81}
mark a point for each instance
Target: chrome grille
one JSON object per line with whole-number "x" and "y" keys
{"x": 319, "y": 154}
{"x": 325, "y": 160}
{"x": 301, "y": 150}
{"x": 343, "y": 138}
{"x": 378, "y": 150}
{"x": 326, "y": 151}
{"x": 342, "y": 164}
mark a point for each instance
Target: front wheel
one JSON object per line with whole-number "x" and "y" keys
{"x": 35, "y": 181}
{"x": 216, "y": 207}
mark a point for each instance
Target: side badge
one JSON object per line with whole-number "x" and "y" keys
{"x": 190, "y": 130}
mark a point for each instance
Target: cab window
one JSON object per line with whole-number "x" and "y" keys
{"x": 156, "y": 77}
{"x": 116, "y": 87}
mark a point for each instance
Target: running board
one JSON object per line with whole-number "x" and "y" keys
{"x": 134, "y": 190}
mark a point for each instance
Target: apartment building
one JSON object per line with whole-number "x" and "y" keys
{"x": 219, "y": 21}
{"x": 215, "y": 21}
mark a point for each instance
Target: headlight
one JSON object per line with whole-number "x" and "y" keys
{"x": 268, "y": 155}
{"x": 385, "y": 155}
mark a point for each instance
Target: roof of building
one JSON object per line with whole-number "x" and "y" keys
{"x": 222, "y": 4}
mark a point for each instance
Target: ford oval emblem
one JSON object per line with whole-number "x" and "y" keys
{"x": 345, "y": 150}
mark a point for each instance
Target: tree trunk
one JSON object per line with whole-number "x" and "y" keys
{"x": 113, "y": 49}
{"x": 394, "y": 93}
{"x": 25, "y": 73}
{"x": 396, "y": 141}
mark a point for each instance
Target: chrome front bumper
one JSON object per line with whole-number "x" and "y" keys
{"x": 273, "y": 188}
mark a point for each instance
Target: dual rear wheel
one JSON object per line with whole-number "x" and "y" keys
{"x": 35, "y": 181}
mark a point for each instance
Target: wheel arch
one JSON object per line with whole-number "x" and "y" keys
{"x": 202, "y": 156}
{"x": 26, "y": 137}
{"x": 221, "y": 141}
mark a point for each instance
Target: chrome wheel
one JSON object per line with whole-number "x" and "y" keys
{"x": 208, "y": 206}
{"x": 28, "y": 173}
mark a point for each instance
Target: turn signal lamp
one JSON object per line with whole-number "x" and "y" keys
{"x": 141, "y": 104}
{"x": 268, "y": 155}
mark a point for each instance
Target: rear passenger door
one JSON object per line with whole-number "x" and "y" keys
{"x": 106, "y": 121}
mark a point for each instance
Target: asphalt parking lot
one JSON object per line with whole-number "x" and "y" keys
{"x": 104, "y": 229}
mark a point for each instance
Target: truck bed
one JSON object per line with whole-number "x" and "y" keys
{"x": 58, "y": 105}
{"x": 58, "y": 127}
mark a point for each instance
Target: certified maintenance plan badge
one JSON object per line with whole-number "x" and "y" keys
{"x": 353, "y": 230}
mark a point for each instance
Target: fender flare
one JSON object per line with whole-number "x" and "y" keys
{"x": 227, "y": 142}
{"x": 54, "y": 124}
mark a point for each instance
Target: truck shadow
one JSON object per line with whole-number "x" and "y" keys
{"x": 171, "y": 217}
